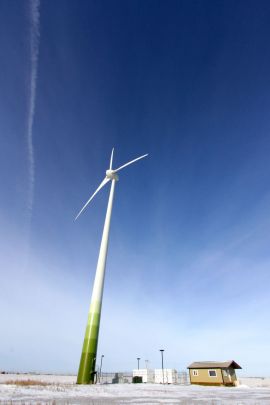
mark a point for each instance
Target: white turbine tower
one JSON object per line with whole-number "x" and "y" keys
{"x": 86, "y": 373}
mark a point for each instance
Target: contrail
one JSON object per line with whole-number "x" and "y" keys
{"x": 34, "y": 51}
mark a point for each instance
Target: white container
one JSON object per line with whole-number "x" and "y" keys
{"x": 166, "y": 376}
{"x": 148, "y": 376}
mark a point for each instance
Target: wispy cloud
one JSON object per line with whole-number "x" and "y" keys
{"x": 34, "y": 48}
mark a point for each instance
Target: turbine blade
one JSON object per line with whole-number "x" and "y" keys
{"x": 111, "y": 159}
{"x": 129, "y": 163}
{"x": 93, "y": 195}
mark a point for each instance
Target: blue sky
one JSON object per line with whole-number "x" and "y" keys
{"x": 188, "y": 262}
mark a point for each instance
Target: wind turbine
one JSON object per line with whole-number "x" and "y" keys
{"x": 86, "y": 373}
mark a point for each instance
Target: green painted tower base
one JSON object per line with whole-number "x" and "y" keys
{"x": 87, "y": 368}
{"x": 86, "y": 374}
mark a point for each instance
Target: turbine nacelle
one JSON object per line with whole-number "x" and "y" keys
{"x": 110, "y": 174}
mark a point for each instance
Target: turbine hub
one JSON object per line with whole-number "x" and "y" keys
{"x": 110, "y": 174}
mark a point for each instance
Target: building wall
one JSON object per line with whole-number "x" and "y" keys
{"x": 204, "y": 378}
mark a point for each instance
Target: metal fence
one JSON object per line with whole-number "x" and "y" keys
{"x": 126, "y": 378}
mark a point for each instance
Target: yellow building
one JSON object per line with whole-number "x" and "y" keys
{"x": 213, "y": 373}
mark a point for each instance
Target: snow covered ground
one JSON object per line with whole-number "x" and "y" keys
{"x": 63, "y": 390}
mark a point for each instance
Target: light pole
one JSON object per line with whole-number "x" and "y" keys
{"x": 138, "y": 359}
{"x": 161, "y": 351}
{"x": 100, "y": 366}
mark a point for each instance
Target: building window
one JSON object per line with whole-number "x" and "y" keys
{"x": 212, "y": 373}
{"x": 195, "y": 373}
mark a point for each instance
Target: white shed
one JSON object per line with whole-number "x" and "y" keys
{"x": 166, "y": 376}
